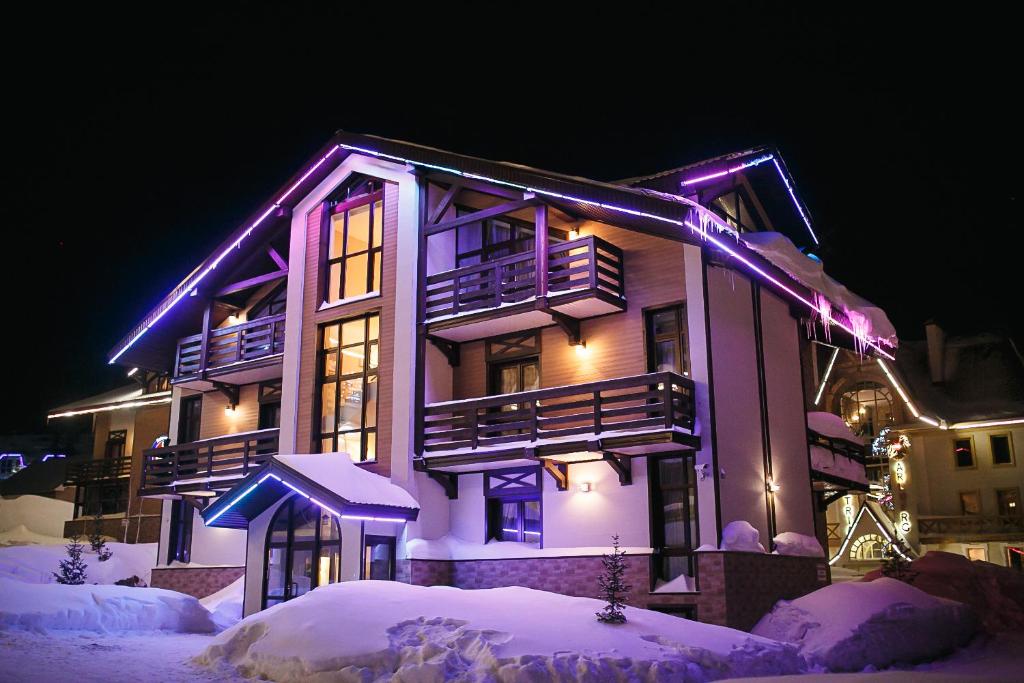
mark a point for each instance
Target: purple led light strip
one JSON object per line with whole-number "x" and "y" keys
{"x": 711, "y": 176}
{"x": 304, "y": 495}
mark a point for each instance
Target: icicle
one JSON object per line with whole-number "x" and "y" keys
{"x": 824, "y": 309}
{"x": 861, "y": 328}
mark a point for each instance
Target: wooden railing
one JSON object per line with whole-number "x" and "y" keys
{"x": 226, "y": 345}
{"x": 219, "y": 460}
{"x": 645, "y": 403}
{"x": 98, "y": 469}
{"x": 970, "y": 525}
{"x": 587, "y": 263}
{"x": 842, "y": 447}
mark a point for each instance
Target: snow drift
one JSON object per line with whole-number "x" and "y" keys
{"x": 99, "y": 608}
{"x": 792, "y": 543}
{"x": 226, "y": 604}
{"x": 377, "y": 630}
{"x": 850, "y": 626}
{"x": 41, "y": 515}
{"x": 36, "y": 563}
{"x": 741, "y": 536}
{"x": 996, "y": 593}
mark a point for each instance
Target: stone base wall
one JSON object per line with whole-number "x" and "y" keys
{"x": 140, "y": 529}
{"x": 195, "y": 581}
{"x": 735, "y": 589}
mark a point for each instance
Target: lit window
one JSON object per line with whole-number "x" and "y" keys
{"x": 354, "y": 244}
{"x": 970, "y": 502}
{"x": 1008, "y": 502}
{"x": 347, "y": 388}
{"x": 963, "y": 451}
{"x": 867, "y": 408}
{"x": 979, "y": 554}
{"x": 868, "y": 547}
{"x": 1002, "y": 449}
{"x": 514, "y": 519}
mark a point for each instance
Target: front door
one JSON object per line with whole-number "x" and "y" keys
{"x": 303, "y": 551}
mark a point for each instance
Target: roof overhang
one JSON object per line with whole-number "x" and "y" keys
{"x": 276, "y": 479}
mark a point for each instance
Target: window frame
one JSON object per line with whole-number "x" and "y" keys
{"x": 963, "y": 508}
{"x": 316, "y": 546}
{"x": 330, "y": 208}
{"x": 658, "y": 523}
{"x": 370, "y": 540}
{"x": 115, "y": 438}
{"x": 1009, "y": 444}
{"x": 1014, "y": 489}
{"x": 681, "y": 336}
{"x": 338, "y": 378}
{"x": 493, "y": 510}
{"x": 974, "y": 451}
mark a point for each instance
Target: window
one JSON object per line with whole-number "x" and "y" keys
{"x": 868, "y": 547}
{"x": 1002, "y": 449}
{"x": 963, "y": 451}
{"x": 270, "y": 405}
{"x": 179, "y": 545}
{"x": 303, "y": 551}
{"x": 514, "y": 518}
{"x": 867, "y": 408}
{"x": 1015, "y": 557}
{"x": 1008, "y": 501}
{"x": 970, "y": 502}
{"x": 732, "y": 207}
{"x": 356, "y": 225}
{"x": 666, "y": 341}
{"x": 674, "y": 513}
{"x": 272, "y": 304}
{"x": 115, "y": 443}
{"x": 347, "y": 388}
{"x": 189, "y": 414}
{"x": 979, "y": 554}
{"x": 379, "y": 558}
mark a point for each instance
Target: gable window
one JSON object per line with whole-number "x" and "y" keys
{"x": 1002, "y": 449}
{"x": 732, "y": 207}
{"x": 963, "y": 451}
{"x": 495, "y": 238}
{"x": 347, "y": 388}
{"x": 355, "y": 229}
{"x": 867, "y": 408}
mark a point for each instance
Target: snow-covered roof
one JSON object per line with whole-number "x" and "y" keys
{"x": 331, "y": 480}
{"x": 832, "y": 426}
{"x": 129, "y": 396}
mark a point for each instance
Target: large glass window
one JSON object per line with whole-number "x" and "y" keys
{"x": 514, "y": 519}
{"x": 303, "y": 551}
{"x": 674, "y": 511}
{"x": 354, "y": 244}
{"x": 867, "y": 408}
{"x": 347, "y": 388}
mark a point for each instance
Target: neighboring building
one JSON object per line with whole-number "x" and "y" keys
{"x": 125, "y": 422}
{"x": 955, "y": 483}
{"x": 518, "y": 364}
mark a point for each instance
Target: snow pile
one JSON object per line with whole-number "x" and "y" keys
{"x": 99, "y": 608}
{"x": 337, "y": 472}
{"x": 22, "y": 535}
{"x": 44, "y": 516}
{"x": 827, "y": 462}
{"x": 850, "y": 626}
{"x": 226, "y": 604}
{"x": 451, "y": 547}
{"x": 780, "y": 251}
{"x": 415, "y": 633}
{"x": 36, "y": 563}
{"x": 792, "y": 543}
{"x": 995, "y": 593}
{"x": 741, "y": 536}
{"x": 832, "y": 426}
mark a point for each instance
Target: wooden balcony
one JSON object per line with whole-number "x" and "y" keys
{"x": 970, "y": 528}
{"x": 584, "y": 278}
{"x": 96, "y": 470}
{"x": 617, "y": 417}
{"x": 233, "y": 354}
{"x": 207, "y": 466}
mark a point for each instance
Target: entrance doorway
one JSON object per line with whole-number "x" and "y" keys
{"x": 303, "y": 551}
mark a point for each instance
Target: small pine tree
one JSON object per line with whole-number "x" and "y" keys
{"x": 894, "y": 561}
{"x": 613, "y": 586}
{"x": 72, "y": 570}
{"x": 96, "y": 540}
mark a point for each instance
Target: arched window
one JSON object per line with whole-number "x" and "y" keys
{"x": 303, "y": 551}
{"x": 867, "y": 547}
{"x": 867, "y": 408}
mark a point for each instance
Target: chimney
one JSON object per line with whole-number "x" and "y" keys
{"x": 936, "y": 351}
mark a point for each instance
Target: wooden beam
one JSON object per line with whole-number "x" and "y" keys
{"x": 621, "y": 467}
{"x": 277, "y": 258}
{"x": 445, "y": 203}
{"x": 448, "y": 481}
{"x": 475, "y": 185}
{"x": 204, "y": 344}
{"x": 540, "y": 253}
{"x": 252, "y": 282}
{"x": 484, "y": 214}
{"x": 559, "y": 471}
{"x": 231, "y": 391}
{"x": 450, "y": 349}
{"x": 568, "y": 324}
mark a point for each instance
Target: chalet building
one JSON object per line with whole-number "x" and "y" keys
{"x": 416, "y": 365}
{"x": 954, "y": 407}
{"x": 125, "y": 422}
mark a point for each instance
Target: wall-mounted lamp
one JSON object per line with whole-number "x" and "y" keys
{"x": 581, "y": 348}
{"x": 230, "y": 409}
{"x": 574, "y": 234}
{"x": 585, "y": 487}
{"x": 773, "y": 486}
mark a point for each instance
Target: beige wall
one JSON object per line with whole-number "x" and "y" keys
{"x": 215, "y": 421}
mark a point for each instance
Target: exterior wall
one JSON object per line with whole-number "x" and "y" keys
{"x": 215, "y": 421}
{"x": 216, "y": 546}
{"x": 198, "y": 582}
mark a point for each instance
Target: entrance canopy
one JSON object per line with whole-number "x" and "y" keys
{"x": 330, "y": 480}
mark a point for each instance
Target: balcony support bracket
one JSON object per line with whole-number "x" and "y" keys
{"x": 448, "y": 481}
{"x": 621, "y": 467}
{"x": 829, "y": 497}
{"x": 559, "y": 471}
{"x": 450, "y": 349}
{"x": 198, "y": 502}
{"x": 568, "y": 324}
{"x": 230, "y": 391}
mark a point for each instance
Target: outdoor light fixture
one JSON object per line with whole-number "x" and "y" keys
{"x": 585, "y": 487}
{"x": 230, "y": 409}
{"x": 773, "y": 486}
{"x": 581, "y": 348}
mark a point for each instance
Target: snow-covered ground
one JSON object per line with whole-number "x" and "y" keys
{"x": 36, "y": 563}
{"x": 226, "y": 604}
{"x": 373, "y": 630}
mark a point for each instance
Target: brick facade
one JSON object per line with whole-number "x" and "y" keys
{"x": 195, "y": 581}
{"x": 736, "y": 589}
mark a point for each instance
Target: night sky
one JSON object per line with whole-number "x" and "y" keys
{"x": 135, "y": 144}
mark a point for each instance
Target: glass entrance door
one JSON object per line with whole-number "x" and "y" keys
{"x": 303, "y": 551}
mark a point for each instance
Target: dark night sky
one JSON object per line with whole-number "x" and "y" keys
{"x": 137, "y": 143}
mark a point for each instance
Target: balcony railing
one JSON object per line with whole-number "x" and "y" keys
{"x": 585, "y": 264}
{"x": 546, "y": 418}
{"x": 966, "y": 526}
{"x": 210, "y": 463}
{"x": 99, "y": 469}
{"x": 842, "y": 447}
{"x": 227, "y": 346}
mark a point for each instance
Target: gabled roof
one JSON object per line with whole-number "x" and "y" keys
{"x": 648, "y": 210}
{"x": 130, "y": 396}
{"x": 331, "y": 480}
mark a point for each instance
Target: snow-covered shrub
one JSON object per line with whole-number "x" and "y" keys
{"x": 792, "y": 543}
{"x": 741, "y": 536}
